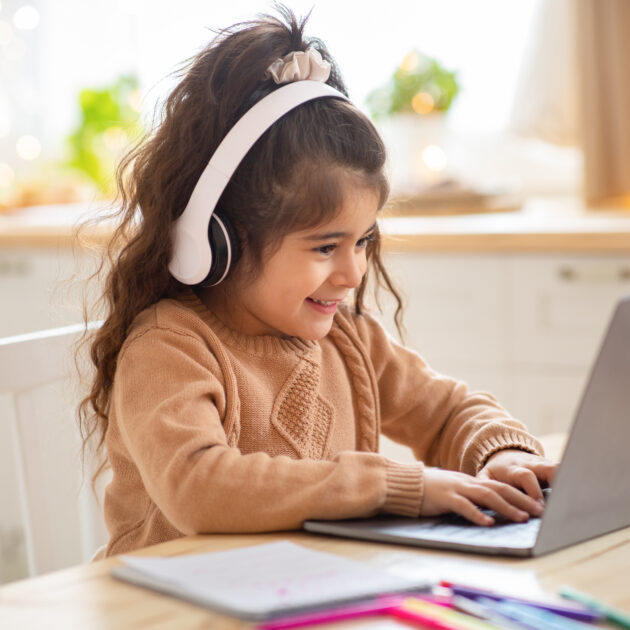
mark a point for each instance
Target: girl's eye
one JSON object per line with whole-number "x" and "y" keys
{"x": 363, "y": 242}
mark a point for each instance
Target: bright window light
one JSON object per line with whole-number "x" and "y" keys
{"x": 26, "y": 18}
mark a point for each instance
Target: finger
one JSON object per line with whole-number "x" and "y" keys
{"x": 528, "y": 481}
{"x": 462, "y": 506}
{"x": 519, "y": 499}
{"x": 490, "y": 496}
{"x": 545, "y": 471}
{"x": 483, "y": 474}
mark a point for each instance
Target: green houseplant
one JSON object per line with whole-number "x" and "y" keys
{"x": 109, "y": 122}
{"x": 420, "y": 84}
{"x": 409, "y": 111}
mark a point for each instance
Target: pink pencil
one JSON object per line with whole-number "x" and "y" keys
{"x": 379, "y": 606}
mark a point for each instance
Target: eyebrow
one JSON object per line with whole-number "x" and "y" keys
{"x": 329, "y": 235}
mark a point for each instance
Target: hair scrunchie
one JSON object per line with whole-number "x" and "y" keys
{"x": 299, "y": 66}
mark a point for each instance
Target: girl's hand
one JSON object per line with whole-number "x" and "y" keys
{"x": 519, "y": 469}
{"x": 448, "y": 491}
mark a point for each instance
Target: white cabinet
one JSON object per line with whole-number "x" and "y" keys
{"x": 560, "y": 306}
{"x": 523, "y": 327}
{"x": 447, "y": 295}
{"x": 41, "y": 288}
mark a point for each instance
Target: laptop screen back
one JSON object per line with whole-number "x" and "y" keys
{"x": 591, "y": 489}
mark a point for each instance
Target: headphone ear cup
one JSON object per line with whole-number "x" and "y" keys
{"x": 225, "y": 248}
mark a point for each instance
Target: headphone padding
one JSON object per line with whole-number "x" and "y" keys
{"x": 224, "y": 246}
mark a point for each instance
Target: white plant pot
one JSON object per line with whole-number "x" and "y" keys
{"x": 407, "y": 137}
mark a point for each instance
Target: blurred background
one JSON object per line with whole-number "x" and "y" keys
{"x": 79, "y": 80}
{"x": 508, "y": 229}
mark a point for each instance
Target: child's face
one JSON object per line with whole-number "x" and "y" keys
{"x": 300, "y": 286}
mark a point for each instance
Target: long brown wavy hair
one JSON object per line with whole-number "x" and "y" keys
{"x": 293, "y": 178}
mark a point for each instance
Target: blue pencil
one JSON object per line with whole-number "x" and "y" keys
{"x": 583, "y": 613}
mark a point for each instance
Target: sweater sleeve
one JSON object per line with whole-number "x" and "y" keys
{"x": 444, "y": 423}
{"x": 167, "y": 402}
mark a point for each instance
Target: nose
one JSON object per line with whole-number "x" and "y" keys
{"x": 351, "y": 269}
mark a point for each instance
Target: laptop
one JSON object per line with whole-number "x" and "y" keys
{"x": 591, "y": 489}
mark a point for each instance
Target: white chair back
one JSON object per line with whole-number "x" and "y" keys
{"x": 49, "y": 516}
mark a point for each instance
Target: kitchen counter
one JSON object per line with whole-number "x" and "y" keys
{"x": 543, "y": 224}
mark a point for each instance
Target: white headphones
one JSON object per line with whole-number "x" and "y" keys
{"x": 203, "y": 247}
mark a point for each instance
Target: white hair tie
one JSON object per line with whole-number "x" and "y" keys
{"x": 299, "y": 66}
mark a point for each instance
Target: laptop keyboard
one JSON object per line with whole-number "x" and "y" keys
{"x": 504, "y": 533}
{"x": 457, "y": 529}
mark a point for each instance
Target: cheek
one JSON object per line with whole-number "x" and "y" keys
{"x": 311, "y": 277}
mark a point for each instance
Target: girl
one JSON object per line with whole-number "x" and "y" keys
{"x": 252, "y": 401}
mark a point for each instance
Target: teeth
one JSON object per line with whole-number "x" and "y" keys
{"x": 323, "y": 302}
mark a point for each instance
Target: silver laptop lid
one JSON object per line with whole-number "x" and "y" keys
{"x": 591, "y": 489}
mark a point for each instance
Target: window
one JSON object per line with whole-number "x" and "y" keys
{"x": 76, "y": 44}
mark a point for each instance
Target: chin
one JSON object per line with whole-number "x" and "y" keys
{"x": 316, "y": 334}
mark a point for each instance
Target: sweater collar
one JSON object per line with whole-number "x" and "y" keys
{"x": 253, "y": 344}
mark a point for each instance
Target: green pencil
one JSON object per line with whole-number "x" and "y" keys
{"x": 614, "y": 615}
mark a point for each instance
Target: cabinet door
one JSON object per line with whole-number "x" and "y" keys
{"x": 41, "y": 288}
{"x": 456, "y": 307}
{"x": 560, "y": 306}
{"x": 545, "y": 400}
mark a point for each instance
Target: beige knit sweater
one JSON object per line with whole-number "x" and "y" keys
{"x": 213, "y": 431}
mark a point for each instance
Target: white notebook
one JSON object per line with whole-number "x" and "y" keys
{"x": 264, "y": 581}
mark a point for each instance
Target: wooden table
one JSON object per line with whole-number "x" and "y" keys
{"x": 86, "y": 597}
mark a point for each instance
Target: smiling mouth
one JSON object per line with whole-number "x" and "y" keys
{"x": 324, "y": 302}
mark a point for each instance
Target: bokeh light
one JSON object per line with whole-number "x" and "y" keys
{"x": 28, "y": 147}
{"x": 26, "y": 18}
{"x": 423, "y": 103}
{"x": 434, "y": 158}
{"x": 410, "y": 63}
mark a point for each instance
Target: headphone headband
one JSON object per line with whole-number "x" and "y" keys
{"x": 192, "y": 255}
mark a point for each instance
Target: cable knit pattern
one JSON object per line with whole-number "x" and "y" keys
{"x": 363, "y": 382}
{"x": 214, "y": 431}
{"x": 301, "y": 415}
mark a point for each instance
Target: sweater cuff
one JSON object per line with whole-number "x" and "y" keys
{"x": 405, "y": 488}
{"x": 516, "y": 440}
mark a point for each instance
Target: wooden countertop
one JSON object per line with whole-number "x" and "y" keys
{"x": 543, "y": 224}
